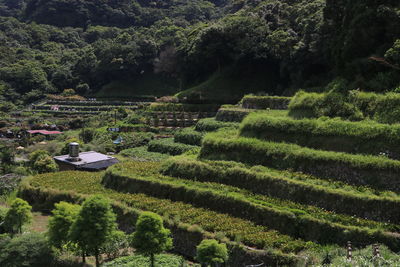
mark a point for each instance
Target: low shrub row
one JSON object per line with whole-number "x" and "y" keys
{"x": 168, "y": 146}
{"x": 376, "y": 172}
{"x": 44, "y": 190}
{"x": 211, "y": 125}
{"x": 82, "y": 108}
{"x": 299, "y": 188}
{"x": 307, "y": 223}
{"x": 141, "y": 154}
{"x": 232, "y": 114}
{"x": 188, "y": 136}
{"x": 179, "y": 107}
{"x": 265, "y": 102}
{"x": 354, "y": 105}
{"x": 365, "y": 137}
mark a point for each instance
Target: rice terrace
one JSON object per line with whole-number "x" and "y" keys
{"x": 221, "y": 133}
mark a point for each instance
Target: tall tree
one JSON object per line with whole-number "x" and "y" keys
{"x": 64, "y": 215}
{"x": 18, "y": 215}
{"x": 151, "y": 237}
{"x": 94, "y": 226}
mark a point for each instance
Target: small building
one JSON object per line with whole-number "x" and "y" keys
{"x": 84, "y": 161}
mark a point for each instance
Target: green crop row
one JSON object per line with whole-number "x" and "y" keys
{"x": 306, "y": 222}
{"x": 353, "y": 105}
{"x": 211, "y": 125}
{"x": 299, "y": 188}
{"x": 327, "y": 134}
{"x": 377, "y": 172}
{"x": 232, "y": 114}
{"x": 83, "y": 183}
{"x": 265, "y": 102}
{"x": 188, "y": 136}
{"x": 168, "y": 146}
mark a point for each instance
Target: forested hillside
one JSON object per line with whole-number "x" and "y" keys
{"x": 213, "y": 51}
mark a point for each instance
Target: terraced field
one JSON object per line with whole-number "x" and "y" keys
{"x": 287, "y": 190}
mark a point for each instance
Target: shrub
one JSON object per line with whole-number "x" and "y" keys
{"x": 209, "y": 251}
{"x": 188, "y": 136}
{"x": 210, "y": 125}
{"x": 168, "y": 146}
{"x": 162, "y": 260}
{"x": 27, "y": 250}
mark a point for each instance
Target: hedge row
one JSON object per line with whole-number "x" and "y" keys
{"x": 232, "y": 114}
{"x": 292, "y": 219}
{"x": 168, "y": 146}
{"x": 211, "y": 125}
{"x": 83, "y": 108}
{"x": 188, "y": 136}
{"x": 355, "y": 105}
{"x": 295, "y": 187}
{"x": 328, "y": 134}
{"x": 178, "y": 107}
{"x": 265, "y": 102}
{"x": 377, "y": 172}
{"x": 42, "y": 191}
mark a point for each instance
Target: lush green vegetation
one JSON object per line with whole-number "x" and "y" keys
{"x": 334, "y": 196}
{"x": 188, "y": 136}
{"x": 141, "y": 154}
{"x": 377, "y": 172}
{"x": 82, "y": 183}
{"x": 365, "y": 137}
{"x": 168, "y": 146}
{"x": 326, "y": 227}
{"x": 353, "y": 105}
{"x": 213, "y": 50}
{"x": 210, "y": 125}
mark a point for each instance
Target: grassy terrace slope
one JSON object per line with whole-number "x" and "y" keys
{"x": 46, "y": 189}
{"x": 365, "y": 137}
{"x": 331, "y": 195}
{"x": 306, "y": 222}
{"x": 377, "y": 172}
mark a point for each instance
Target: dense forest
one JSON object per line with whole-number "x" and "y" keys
{"x": 197, "y": 47}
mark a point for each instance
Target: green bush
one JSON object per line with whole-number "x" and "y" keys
{"x": 188, "y": 136}
{"x": 210, "y": 125}
{"x": 265, "y": 102}
{"x": 365, "y": 137}
{"x": 377, "y": 172}
{"x": 168, "y": 146}
{"x": 305, "y": 189}
{"x": 27, "y": 250}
